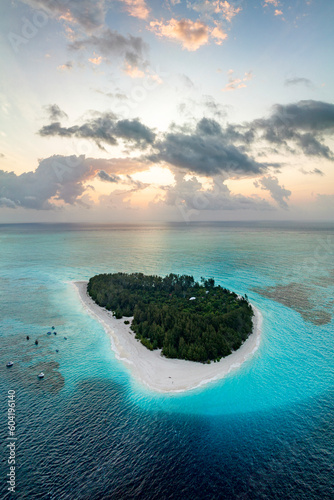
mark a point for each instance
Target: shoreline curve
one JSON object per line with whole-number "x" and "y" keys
{"x": 156, "y": 372}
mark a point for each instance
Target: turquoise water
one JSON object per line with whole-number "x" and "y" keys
{"x": 89, "y": 430}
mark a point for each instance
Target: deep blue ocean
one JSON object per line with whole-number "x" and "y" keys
{"x": 88, "y": 430}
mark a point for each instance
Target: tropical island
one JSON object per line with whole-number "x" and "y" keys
{"x": 182, "y": 318}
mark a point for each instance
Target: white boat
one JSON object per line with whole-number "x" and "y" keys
{"x": 9, "y": 364}
{"x": 41, "y": 375}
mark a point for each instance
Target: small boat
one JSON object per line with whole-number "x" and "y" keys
{"x": 49, "y": 333}
{"x": 36, "y": 342}
{"x": 55, "y": 333}
{"x": 9, "y": 364}
{"x": 27, "y": 337}
{"x": 65, "y": 338}
{"x": 41, "y": 375}
{"x": 57, "y": 350}
{"x": 53, "y": 328}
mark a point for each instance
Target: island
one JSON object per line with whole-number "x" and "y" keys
{"x": 185, "y": 319}
{"x": 173, "y": 332}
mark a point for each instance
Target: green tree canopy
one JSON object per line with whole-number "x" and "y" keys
{"x": 185, "y": 319}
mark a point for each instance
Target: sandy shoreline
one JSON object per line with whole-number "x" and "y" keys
{"x": 159, "y": 373}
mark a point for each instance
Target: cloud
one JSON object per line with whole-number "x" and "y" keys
{"x": 59, "y": 179}
{"x": 136, "y": 8}
{"x": 2, "y": 155}
{"x": 108, "y": 177}
{"x": 278, "y": 12}
{"x": 5, "y": 202}
{"x": 303, "y": 125}
{"x": 315, "y": 171}
{"x": 65, "y": 67}
{"x": 88, "y": 15}
{"x": 298, "y": 81}
{"x": 237, "y": 83}
{"x": 127, "y": 179}
{"x": 55, "y": 113}
{"x": 219, "y": 34}
{"x": 205, "y": 150}
{"x": 277, "y": 192}
{"x": 112, "y": 44}
{"x": 35, "y": 189}
{"x": 274, "y": 3}
{"x": 96, "y": 60}
{"x": 216, "y": 7}
{"x": 191, "y": 34}
{"x": 105, "y": 128}
{"x": 189, "y": 195}
{"x": 133, "y": 71}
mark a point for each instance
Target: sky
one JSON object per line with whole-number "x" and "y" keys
{"x": 171, "y": 110}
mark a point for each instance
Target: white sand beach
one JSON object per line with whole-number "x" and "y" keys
{"x": 155, "y": 371}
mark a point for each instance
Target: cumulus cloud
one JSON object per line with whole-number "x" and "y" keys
{"x": 218, "y": 34}
{"x": 105, "y": 128}
{"x": 298, "y": 81}
{"x": 59, "y": 178}
{"x": 205, "y": 150}
{"x": 215, "y": 7}
{"x": 88, "y": 15}
{"x": 55, "y": 113}
{"x": 35, "y": 189}
{"x": 112, "y": 44}
{"x": 189, "y": 194}
{"x": 303, "y": 125}
{"x": 274, "y": 3}
{"x": 277, "y": 192}
{"x": 136, "y": 8}
{"x": 191, "y": 34}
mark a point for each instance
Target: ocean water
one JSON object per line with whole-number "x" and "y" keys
{"x": 88, "y": 430}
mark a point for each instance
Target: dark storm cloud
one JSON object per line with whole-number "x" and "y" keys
{"x": 105, "y": 128}
{"x": 206, "y": 150}
{"x": 112, "y": 44}
{"x": 303, "y": 125}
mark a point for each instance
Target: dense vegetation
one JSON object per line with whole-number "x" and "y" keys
{"x": 187, "y": 320}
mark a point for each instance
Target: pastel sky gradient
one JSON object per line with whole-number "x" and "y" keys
{"x": 139, "y": 110}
